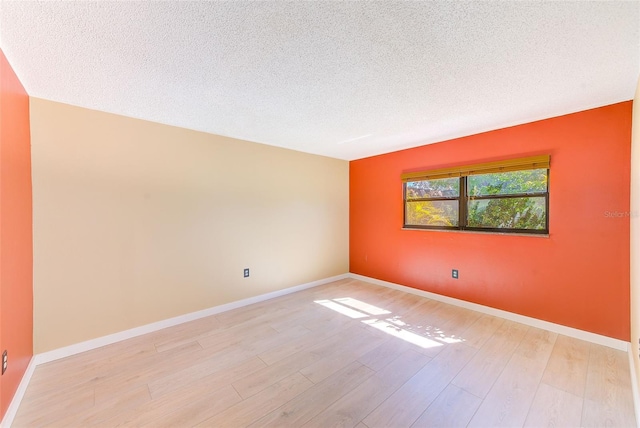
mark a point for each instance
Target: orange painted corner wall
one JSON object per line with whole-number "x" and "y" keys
{"x": 578, "y": 276}
{"x": 16, "y": 243}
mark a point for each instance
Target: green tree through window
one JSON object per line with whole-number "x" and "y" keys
{"x": 514, "y": 201}
{"x": 433, "y": 202}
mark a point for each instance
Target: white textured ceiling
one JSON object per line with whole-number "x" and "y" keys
{"x": 341, "y": 79}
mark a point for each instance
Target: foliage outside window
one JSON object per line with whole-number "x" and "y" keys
{"x": 515, "y": 200}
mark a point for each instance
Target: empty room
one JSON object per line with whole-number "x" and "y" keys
{"x": 319, "y": 213}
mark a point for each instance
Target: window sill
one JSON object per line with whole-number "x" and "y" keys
{"x": 478, "y": 232}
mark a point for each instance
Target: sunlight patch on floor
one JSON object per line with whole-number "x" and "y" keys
{"x": 400, "y": 333}
{"x": 351, "y": 313}
{"x": 362, "y": 306}
{"x": 394, "y": 326}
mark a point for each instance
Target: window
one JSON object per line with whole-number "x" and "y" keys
{"x": 505, "y": 196}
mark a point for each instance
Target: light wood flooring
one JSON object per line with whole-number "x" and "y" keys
{"x": 343, "y": 354}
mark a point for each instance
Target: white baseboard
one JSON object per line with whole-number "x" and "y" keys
{"x": 88, "y": 345}
{"x": 99, "y": 342}
{"x": 134, "y": 332}
{"x": 12, "y": 410}
{"x": 522, "y": 319}
{"x": 634, "y": 386}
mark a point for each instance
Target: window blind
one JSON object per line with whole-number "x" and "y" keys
{"x": 532, "y": 162}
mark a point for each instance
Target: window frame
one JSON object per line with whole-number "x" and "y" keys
{"x": 404, "y": 219}
{"x": 463, "y": 204}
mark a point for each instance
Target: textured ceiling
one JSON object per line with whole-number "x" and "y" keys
{"x": 341, "y": 79}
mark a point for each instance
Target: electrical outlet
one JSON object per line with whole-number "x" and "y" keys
{"x": 246, "y": 273}
{"x": 454, "y": 273}
{"x": 5, "y": 361}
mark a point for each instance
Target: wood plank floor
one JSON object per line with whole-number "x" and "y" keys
{"x": 343, "y": 354}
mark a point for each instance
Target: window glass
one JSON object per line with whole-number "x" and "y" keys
{"x": 508, "y": 183}
{"x": 512, "y": 201}
{"x": 508, "y": 213}
{"x": 432, "y": 213}
{"x": 440, "y": 188}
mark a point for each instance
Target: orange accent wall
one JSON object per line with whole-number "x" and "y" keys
{"x": 16, "y": 260}
{"x": 577, "y": 277}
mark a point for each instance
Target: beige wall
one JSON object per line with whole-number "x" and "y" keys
{"x": 136, "y": 222}
{"x": 635, "y": 231}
